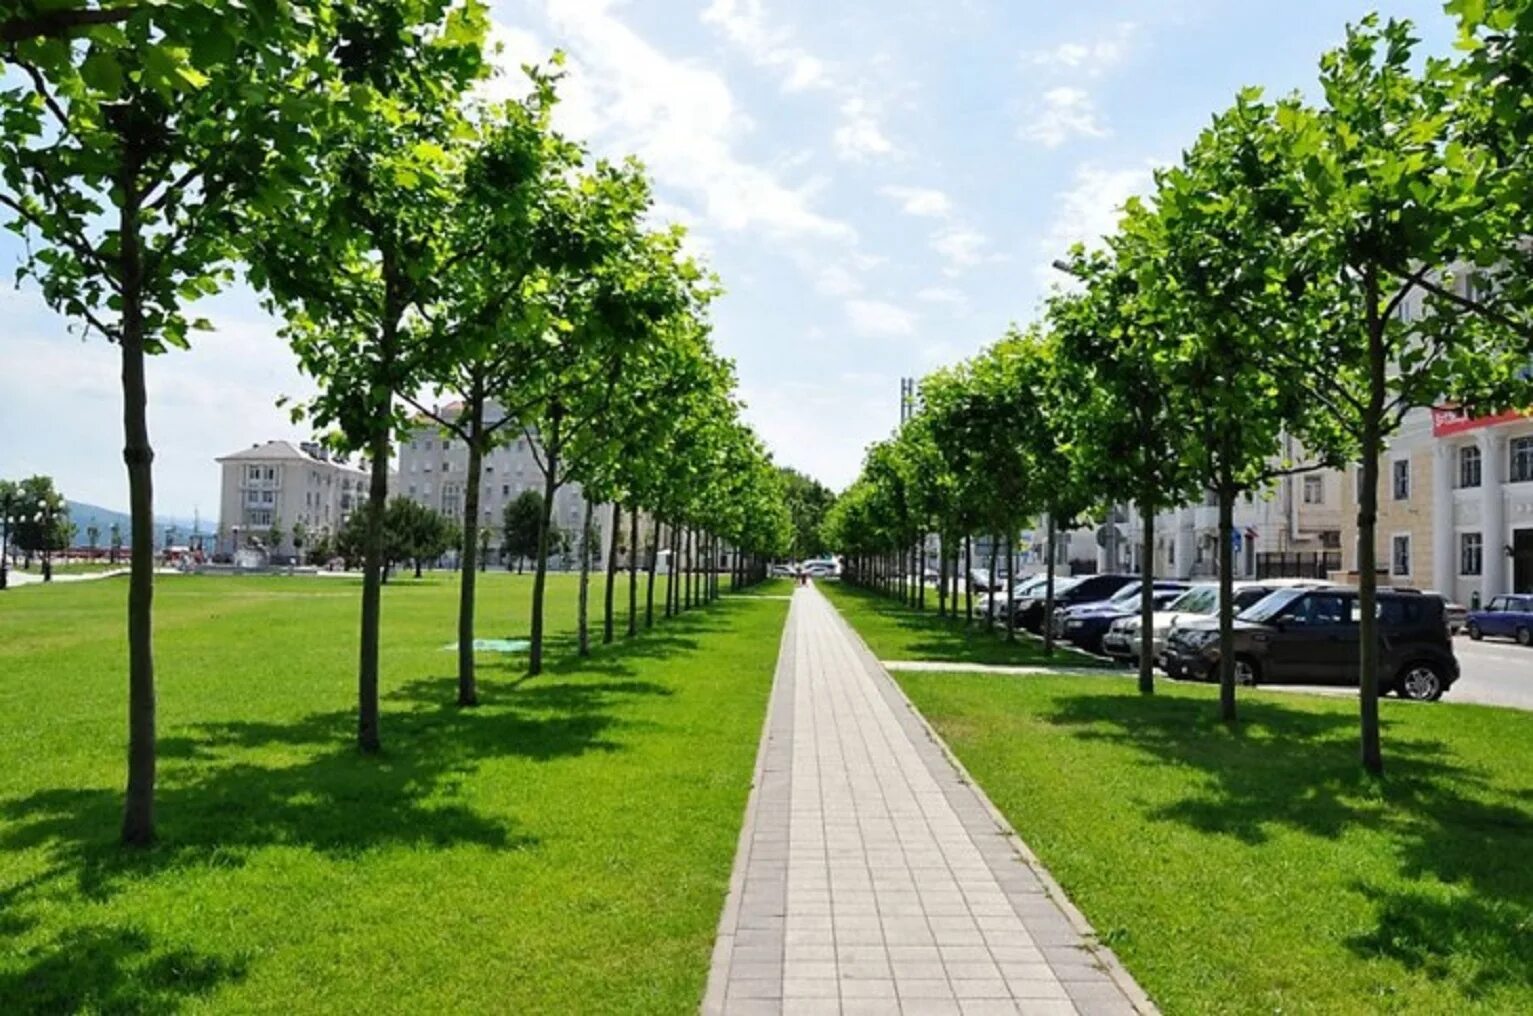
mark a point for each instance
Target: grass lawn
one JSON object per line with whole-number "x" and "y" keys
{"x": 566, "y": 847}
{"x": 1257, "y": 870}
{"x": 896, "y": 632}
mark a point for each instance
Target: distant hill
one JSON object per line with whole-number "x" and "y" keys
{"x": 85, "y": 515}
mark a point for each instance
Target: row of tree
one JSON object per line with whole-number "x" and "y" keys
{"x": 1305, "y": 271}
{"x": 412, "y": 238}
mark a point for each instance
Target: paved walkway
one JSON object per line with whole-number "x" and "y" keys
{"x": 872, "y": 877}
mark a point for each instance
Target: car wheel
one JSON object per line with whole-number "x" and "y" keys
{"x": 1524, "y": 637}
{"x": 1246, "y": 671}
{"x": 1421, "y": 682}
{"x": 1475, "y": 634}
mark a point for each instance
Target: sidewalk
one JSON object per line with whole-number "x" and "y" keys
{"x": 872, "y": 877}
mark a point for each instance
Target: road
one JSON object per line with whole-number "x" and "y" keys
{"x": 1494, "y": 674}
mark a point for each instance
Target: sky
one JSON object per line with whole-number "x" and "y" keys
{"x": 881, "y": 186}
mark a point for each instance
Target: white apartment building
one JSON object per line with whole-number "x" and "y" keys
{"x": 1455, "y": 505}
{"x": 277, "y": 485}
{"x": 433, "y": 469}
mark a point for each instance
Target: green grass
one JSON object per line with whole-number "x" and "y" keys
{"x": 565, "y": 847}
{"x": 896, "y": 632}
{"x": 1257, "y": 870}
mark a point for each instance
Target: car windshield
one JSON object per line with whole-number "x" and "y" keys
{"x": 1271, "y": 605}
{"x": 1197, "y": 600}
{"x": 1126, "y": 594}
{"x": 1060, "y": 586}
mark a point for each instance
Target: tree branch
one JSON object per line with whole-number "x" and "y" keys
{"x": 75, "y": 243}
{"x": 51, "y": 24}
{"x": 1464, "y": 303}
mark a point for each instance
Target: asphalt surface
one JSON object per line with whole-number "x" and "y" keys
{"x": 1494, "y": 673}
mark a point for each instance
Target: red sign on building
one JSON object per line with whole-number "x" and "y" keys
{"x": 1447, "y": 421}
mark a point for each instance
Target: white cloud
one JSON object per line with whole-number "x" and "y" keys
{"x": 681, "y": 119}
{"x": 1090, "y": 210}
{"x": 834, "y": 280}
{"x": 962, "y": 247}
{"x": 860, "y": 137}
{"x": 1064, "y": 113}
{"x": 877, "y": 319}
{"x": 920, "y": 201}
{"x": 744, "y": 23}
{"x": 942, "y": 294}
{"x": 1094, "y": 57}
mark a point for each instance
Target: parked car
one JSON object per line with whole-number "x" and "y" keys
{"x": 979, "y": 579}
{"x": 1508, "y": 617}
{"x": 1310, "y": 636}
{"x": 1025, "y": 588}
{"x": 1085, "y": 624}
{"x": 820, "y": 569}
{"x": 1081, "y": 589}
{"x": 783, "y": 571}
{"x": 1122, "y": 641}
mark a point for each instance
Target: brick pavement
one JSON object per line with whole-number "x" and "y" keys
{"x": 873, "y": 877}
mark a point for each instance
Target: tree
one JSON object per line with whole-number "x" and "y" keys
{"x": 114, "y": 540}
{"x": 41, "y": 519}
{"x": 1113, "y": 338}
{"x": 136, "y": 139}
{"x": 300, "y": 537}
{"x": 520, "y": 527}
{"x": 1386, "y": 203}
{"x": 1211, "y": 257}
{"x": 808, "y": 500}
{"x": 356, "y": 257}
{"x": 486, "y": 319}
{"x": 274, "y": 536}
{"x": 10, "y": 501}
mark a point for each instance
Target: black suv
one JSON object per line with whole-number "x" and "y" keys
{"x": 1028, "y": 613}
{"x": 1310, "y": 636}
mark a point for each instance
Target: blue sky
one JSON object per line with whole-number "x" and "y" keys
{"x": 880, "y": 185}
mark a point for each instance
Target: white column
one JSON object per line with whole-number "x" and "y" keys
{"x": 1492, "y": 512}
{"x": 1184, "y": 548}
{"x": 1444, "y": 565}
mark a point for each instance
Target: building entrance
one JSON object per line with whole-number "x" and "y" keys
{"x": 1522, "y": 560}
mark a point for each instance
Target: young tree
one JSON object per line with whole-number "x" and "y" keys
{"x": 356, "y": 257}
{"x": 136, "y": 139}
{"x": 1385, "y": 203}
{"x": 1113, "y": 339}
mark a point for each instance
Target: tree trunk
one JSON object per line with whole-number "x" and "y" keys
{"x": 654, "y": 563}
{"x": 671, "y": 590}
{"x": 138, "y": 456}
{"x": 1146, "y": 589}
{"x": 1367, "y": 548}
{"x": 607, "y": 621}
{"x": 689, "y": 538}
{"x": 540, "y": 566}
{"x": 968, "y": 580}
{"x": 1011, "y": 585}
{"x": 468, "y": 692}
{"x": 633, "y": 570}
{"x": 990, "y": 607}
{"x": 585, "y": 579}
{"x": 942, "y": 575}
{"x": 368, "y": 738}
{"x": 1226, "y": 601}
{"x": 1048, "y": 590}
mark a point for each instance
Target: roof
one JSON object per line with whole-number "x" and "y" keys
{"x": 284, "y": 451}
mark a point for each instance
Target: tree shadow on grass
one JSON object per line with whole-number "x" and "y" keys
{"x": 1461, "y": 907}
{"x": 111, "y": 970}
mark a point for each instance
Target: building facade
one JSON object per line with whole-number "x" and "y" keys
{"x": 268, "y": 489}
{"x": 433, "y": 471}
{"x": 1455, "y": 506}
{"x": 1292, "y": 530}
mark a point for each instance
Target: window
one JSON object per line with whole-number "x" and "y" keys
{"x": 1400, "y": 556}
{"x": 505, "y": 490}
{"x": 444, "y": 446}
{"x": 1314, "y": 490}
{"x": 1319, "y": 609}
{"x": 1330, "y": 539}
{"x": 1522, "y": 459}
{"x": 253, "y": 473}
{"x": 271, "y": 474}
{"x": 1469, "y": 467}
{"x": 446, "y": 466}
{"x": 1399, "y": 610}
{"x": 412, "y": 490}
{"x": 1400, "y": 471}
{"x": 1471, "y": 553}
{"x": 427, "y": 490}
{"x": 489, "y": 470}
